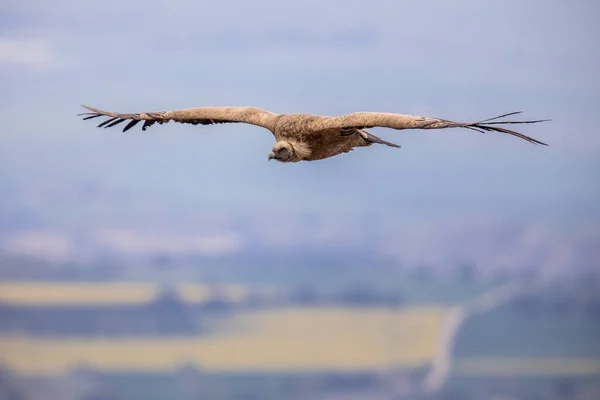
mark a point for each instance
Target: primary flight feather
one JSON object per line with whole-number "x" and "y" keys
{"x": 306, "y": 137}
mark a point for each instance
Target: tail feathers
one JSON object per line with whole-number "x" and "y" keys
{"x": 374, "y": 139}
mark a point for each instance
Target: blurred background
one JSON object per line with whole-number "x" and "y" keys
{"x": 177, "y": 263}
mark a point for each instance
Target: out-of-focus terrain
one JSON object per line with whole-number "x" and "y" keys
{"x": 149, "y": 340}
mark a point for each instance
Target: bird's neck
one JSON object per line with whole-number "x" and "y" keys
{"x": 301, "y": 150}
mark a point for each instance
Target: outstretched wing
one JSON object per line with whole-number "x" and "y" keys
{"x": 195, "y": 116}
{"x": 363, "y": 120}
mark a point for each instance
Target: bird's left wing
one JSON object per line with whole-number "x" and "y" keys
{"x": 363, "y": 120}
{"x": 195, "y": 116}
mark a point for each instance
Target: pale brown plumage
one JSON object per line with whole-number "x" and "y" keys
{"x": 306, "y": 137}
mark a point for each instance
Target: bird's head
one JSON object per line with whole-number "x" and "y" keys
{"x": 283, "y": 152}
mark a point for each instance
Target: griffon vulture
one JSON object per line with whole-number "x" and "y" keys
{"x": 306, "y": 137}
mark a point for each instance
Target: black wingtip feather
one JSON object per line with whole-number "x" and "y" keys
{"x": 147, "y": 123}
{"x": 108, "y": 121}
{"x": 510, "y": 132}
{"x": 131, "y": 124}
{"x": 91, "y": 116}
{"x": 517, "y": 122}
{"x": 117, "y": 122}
{"x": 500, "y": 116}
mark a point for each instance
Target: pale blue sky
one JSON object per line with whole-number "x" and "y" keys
{"x": 461, "y": 60}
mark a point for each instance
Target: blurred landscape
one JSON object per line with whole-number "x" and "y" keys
{"x": 178, "y": 263}
{"x": 268, "y": 337}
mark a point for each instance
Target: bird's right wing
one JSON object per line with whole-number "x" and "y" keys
{"x": 195, "y": 116}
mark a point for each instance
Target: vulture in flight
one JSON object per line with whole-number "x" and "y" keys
{"x": 306, "y": 137}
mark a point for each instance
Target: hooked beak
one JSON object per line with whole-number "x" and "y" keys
{"x": 271, "y": 156}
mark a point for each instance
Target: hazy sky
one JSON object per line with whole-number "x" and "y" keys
{"x": 444, "y": 195}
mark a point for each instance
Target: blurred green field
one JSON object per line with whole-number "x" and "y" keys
{"x": 507, "y": 332}
{"x": 413, "y": 290}
{"x": 232, "y": 385}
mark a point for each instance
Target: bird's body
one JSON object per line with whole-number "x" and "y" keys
{"x": 311, "y": 141}
{"x": 305, "y": 137}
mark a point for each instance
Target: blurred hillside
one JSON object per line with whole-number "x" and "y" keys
{"x": 149, "y": 340}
